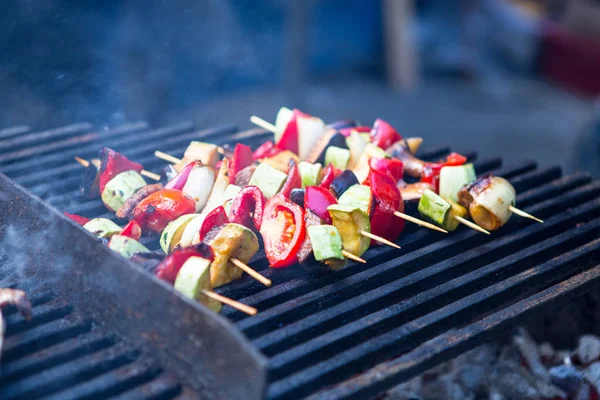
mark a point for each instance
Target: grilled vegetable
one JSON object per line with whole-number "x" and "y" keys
{"x": 213, "y": 220}
{"x": 167, "y": 174}
{"x": 383, "y": 134}
{"x": 337, "y": 156}
{"x": 113, "y": 164}
{"x": 169, "y": 267}
{"x": 297, "y": 196}
{"x": 102, "y": 227}
{"x": 286, "y": 135}
{"x": 199, "y": 185}
{"x": 306, "y": 250}
{"x": 78, "y": 219}
{"x": 190, "y": 231}
{"x": 265, "y": 150}
{"x": 293, "y": 181}
{"x": 357, "y": 196}
{"x": 90, "y": 184}
{"x": 357, "y": 145}
{"x": 490, "y": 208}
{"x": 157, "y": 210}
{"x": 281, "y": 160}
{"x": 350, "y": 222}
{"x": 126, "y": 246}
{"x": 343, "y": 124}
{"x": 327, "y": 245}
{"x": 343, "y": 182}
{"x": 181, "y": 178}
{"x": 206, "y": 153}
{"x": 127, "y": 208}
{"x": 132, "y": 230}
{"x": 310, "y": 130}
{"x": 233, "y": 241}
{"x": 385, "y": 201}
{"x": 413, "y": 191}
{"x": 242, "y": 158}
{"x": 330, "y": 138}
{"x": 172, "y": 233}
{"x": 228, "y": 195}
{"x": 473, "y": 189}
{"x": 391, "y": 167}
{"x": 248, "y": 207}
{"x": 441, "y": 211}
{"x": 361, "y": 168}
{"x": 413, "y": 166}
{"x": 283, "y": 231}
{"x": 311, "y": 174}
{"x": 268, "y": 180}
{"x": 120, "y": 188}
{"x": 216, "y": 197}
{"x": 454, "y": 178}
{"x": 329, "y": 174}
{"x": 318, "y": 200}
{"x": 193, "y": 278}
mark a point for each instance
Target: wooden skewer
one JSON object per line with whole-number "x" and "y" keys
{"x": 230, "y": 302}
{"x": 251, "y": 272}
{"x": 351, "y": 256}
{"x": 167, "y": 157}
{"x": 419, "y": 222}
{"x": 379, "y": 239}
{"x": 263, "y": 124}
{"x": 148, "y": 174}
{"x": 471, "y": 224}
{"x": 524, "y": 214}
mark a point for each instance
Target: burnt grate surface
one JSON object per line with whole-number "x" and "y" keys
{"x": 361, "y": 330}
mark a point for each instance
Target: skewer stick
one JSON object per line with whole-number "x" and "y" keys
{"x": 148, "y": 174}
{"x": 263, "y": 124}
{"x": 166, "y": 157}
{"x": 419, "y": 222}
{"x": 251, "y": 272}
{"x": 524, "y": 214}
{"x": 379, "y": 239}
{"x": 471, "y": 224}
{"x": 230, "y": 302}
{"x": 351, "y": 256}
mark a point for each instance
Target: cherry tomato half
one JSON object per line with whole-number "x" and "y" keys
{"x": 157, "y": 210}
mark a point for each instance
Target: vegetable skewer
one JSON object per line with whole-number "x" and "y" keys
{"x": 145, "y": 173}
{"x": 230, "y": 302}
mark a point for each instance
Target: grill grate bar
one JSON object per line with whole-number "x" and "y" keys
{"x": 44, "y": 314}
{"x": 13, "y": 131}
{"x": 164, "y": 388}
{"x": 20, "y": 142}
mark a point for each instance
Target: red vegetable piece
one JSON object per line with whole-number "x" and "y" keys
{"x": 317, "y": 199}
{"x": 77, "y": 218}
{"x": 383, "y": 134}
{"x": 181, "y": 178}
{"x": 169, "y": 267}
{"x": 431, "y": 175}
{"x": 360, "y": 129}
{"x": 112, "y": 164}
{"x": 455, "y": 159}
{"x": 389, "y": 166}
{"x": 242, "y": 158}
{"x": 386, "y": 199}
{"x": 157, "y": 210}
{"x": 265, "y": 150}
{"x": 247, "y": 208}
{"x": 293, "y": 181}
{"x": 215, "y": 218}
{"x": 330, "y": 173}
{"x": 132, "y": 230}
{"x": 283, "y": 231}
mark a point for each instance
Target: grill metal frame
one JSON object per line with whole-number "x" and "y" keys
{"x": 349, "y": 334}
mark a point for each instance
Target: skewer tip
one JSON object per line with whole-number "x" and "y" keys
{"x": 353, "y": 257}
{"x": 524, "y": 214}
{"x": 471, "y": 225}
{"x": 379, "y": 239}
{"x": 419, "y": 222}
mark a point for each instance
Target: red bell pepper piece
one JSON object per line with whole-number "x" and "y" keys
{"x": 112, "y": 164}
{"x": 360, "y": 129}
{"x": 389, "y": 166}
{"x": 265, "y": 150}
{"x": 213, "y": 219}
{"x": 157, "y": 210}
{"x": 290, "y": 135}
{"x": 283, "y": 231}
{"x": 431, "y": 174}
{"x": 293, "y": 181}
{"x": 169, "y": 267}
{"x": 317, "y": 199}
{"x": 330, "y": 173}
{"x": 383, "y": 134}
{"x": 181, "y": 178}
{"x": 242, "y": 158}
{"x": 132, "y": 230}
{"x": 386, "y": 199}
{"x": 247, "y": 207}
{"x": 78, "y": 219}
{"x": 455, "y": 159}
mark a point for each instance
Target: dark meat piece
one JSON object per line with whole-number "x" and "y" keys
{"x": 17, "y": 298}
{"x": 467, "y": 194}
{"x": 127, "y": 208}
{"x": 242, "y": 178}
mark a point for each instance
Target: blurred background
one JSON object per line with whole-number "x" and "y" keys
{"x": 520, "y": 79}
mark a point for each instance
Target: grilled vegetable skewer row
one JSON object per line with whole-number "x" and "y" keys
{"x": 145, "y": 173}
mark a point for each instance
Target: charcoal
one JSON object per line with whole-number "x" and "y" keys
{"x": 516, "y": 382}
{"x": 445, "y": 388}
{"x": 592, "y": 375}
{"x": 529, "y": 351}
{"x": 566, "y": 377}
{"x": 588, "y": 350}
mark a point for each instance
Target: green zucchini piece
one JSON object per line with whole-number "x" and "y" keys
{"x": 452, "y": 179}
{"x": 268, "y": 179}
{"x": 450, "y": 223}
{"x": 350, "y": 221}
{"x": 102, "y": 227}
{"x": 433, "y": 207}
{"x": 126, "y": 246}
{"x": 311, "y": 174}
{"x": 233, "y": 241}
{"x": 358, "y": 196}
{"x": 171, "y": 235}
{"x": 338, "y": 157}
{"x": 193, "y": 278}
{"x": 120, "y": 188}
{"x": 326, "y": 241}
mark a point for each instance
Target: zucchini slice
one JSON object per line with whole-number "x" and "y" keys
{"x": 172, "y": 233}
{"x": 327, "y": 245}
{"x": 126, "y": 246}
{"x": 268, "y": 180}
{"x": 350, "y": 221}
{"x": 193, "y": 278}
{"x": 452, "y": 179}
{"x": 120, "y": 188}
{"x": 358, "y": 196}
{"x": 102, "y": 227}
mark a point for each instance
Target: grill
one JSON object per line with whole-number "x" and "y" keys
{"x": 350, "y": 334}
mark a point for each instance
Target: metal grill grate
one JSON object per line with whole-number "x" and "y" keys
{"x": 356, "y": 332}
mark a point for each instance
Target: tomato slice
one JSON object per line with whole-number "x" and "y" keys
{"x": 132, "y": 230}
{"x": 157, "y": 210}
{"x": 455, "y": 159}
{"x": 283, "y": 231}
